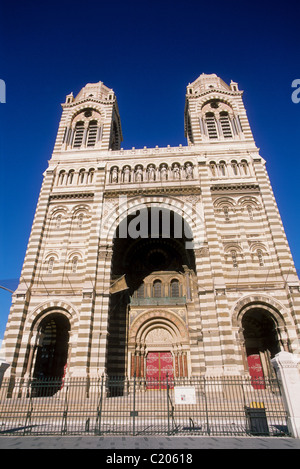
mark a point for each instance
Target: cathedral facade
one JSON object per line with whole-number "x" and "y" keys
{"x": 155, "y": 260}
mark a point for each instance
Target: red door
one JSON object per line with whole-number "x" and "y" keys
{"x": 159, "y": 366}
{"x": 256, "y": 371}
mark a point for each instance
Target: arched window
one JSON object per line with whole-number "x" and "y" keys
{"x": 91, "y": 175}
{"x": 140, "y": 293}
{"x": 157, "y": 289}
{"x": 80, "y": 220}
{"x": 225, "y": 124}
{"x": 234, "y": 166}
{"x": 71, "y": 176}
{"x": 250, "y": 212}
{"x": 50, "y": 265}
{"x": 226, "y": 213}
{"x": 58, "y": 221}
{"x": 74, "y": 264}
{"x": 260, "y": 257}
{"x": 222, "y": 167}
{"x": 244, "y": 166}
{"x": 174, "y": 288}
{"x": 211, "y": 125}
{"x": 81, "y": 176}
{"x": 61, "y": 177}
{"x": 78, "y": 135}
{"x": 234, "y": 258}
{"x": 213, "y": 168}
{"x": 92, "y": 134}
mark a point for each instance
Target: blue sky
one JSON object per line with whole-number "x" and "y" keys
{"x": 147, "y": 51}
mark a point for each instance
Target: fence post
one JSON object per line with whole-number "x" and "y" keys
{"x": 3, "y": 367}
{"x": 286, "y": 365}
{"x": 99, "y": 409}
{"x": 133, "y": 412}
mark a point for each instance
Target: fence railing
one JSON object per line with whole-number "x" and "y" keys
{"x": 121, "y": 406}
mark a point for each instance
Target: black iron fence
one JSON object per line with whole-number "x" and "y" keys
{"x": 121, "y": 406}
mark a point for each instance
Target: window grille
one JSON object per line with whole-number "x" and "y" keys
{"x": 225, "y": 125}
{"x": 211, "y": 125}
{"x": 157, "y": 289}
{"x": 78, "y": 137}
{"x": 140, "y": 293}
{"x": 174, "y": 288}
{"x": 92, "y": 134}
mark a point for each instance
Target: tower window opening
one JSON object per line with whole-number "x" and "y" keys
{"x": 211, "y": 125}
{"x": 92, "y": 134}
{"x": 225, "y": 124}
{"x": 78, "y": 136}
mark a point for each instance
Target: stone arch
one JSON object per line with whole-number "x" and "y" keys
{"x": 262, "y": 324}
{"x": 128, "y": 207}
{"x": 34, "y": 318}
{"x": 217, "y": 96}
{"x": 220, "y": 202}
{"x": 158, "y": 318}
{"x": 83, "y": 108}
{"x": 265, "y": 302}
{"x": 48, "y": 330}
{"x": 158, "y": 333}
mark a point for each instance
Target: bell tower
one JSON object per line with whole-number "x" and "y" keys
{"x": 91, "y": 120}
{"x": 214, "y": 112}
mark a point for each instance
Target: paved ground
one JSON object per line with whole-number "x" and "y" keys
{"x": 174, "y": 444}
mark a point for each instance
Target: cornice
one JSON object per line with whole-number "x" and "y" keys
{"x": 172, "y": 190}
{"x": 86, "y": 100}
{"x": 234, "y": 187}
{"x": 213, "y": 91}
{"x": 73, "y": 195}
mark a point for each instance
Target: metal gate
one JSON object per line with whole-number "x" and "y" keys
{"x": 121, "y": 406}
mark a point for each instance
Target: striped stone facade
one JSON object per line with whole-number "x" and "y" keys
{"x": 210, "y": 302}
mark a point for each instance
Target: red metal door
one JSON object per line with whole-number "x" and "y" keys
{"x": 256, "y": 371}
{"x": 159, "y": 365}
{"x": 166, "y": 365}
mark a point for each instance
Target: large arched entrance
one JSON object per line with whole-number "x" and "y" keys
{"x": 52, "y": 352}
{"x": 262, "y": 342}
{"x": 150, "y": 250}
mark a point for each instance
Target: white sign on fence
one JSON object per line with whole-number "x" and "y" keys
{"x": 185, "y": 395}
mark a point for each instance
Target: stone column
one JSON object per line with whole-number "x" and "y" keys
{"x": 287, "y": 368}
{"x": 3, "y": 367}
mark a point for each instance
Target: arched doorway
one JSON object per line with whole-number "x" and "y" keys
{"x": 153, "y": 258}
{"x": 158, "y": 346}
{"x": 262, "y": 343}
{"x": 52, "y": 352}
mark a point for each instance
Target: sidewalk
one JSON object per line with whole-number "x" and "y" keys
{"x": 174, "y": 444}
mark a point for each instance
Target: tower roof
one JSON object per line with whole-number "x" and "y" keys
{"x": 94, "y": 90}
{"x": 207, "y": 82}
